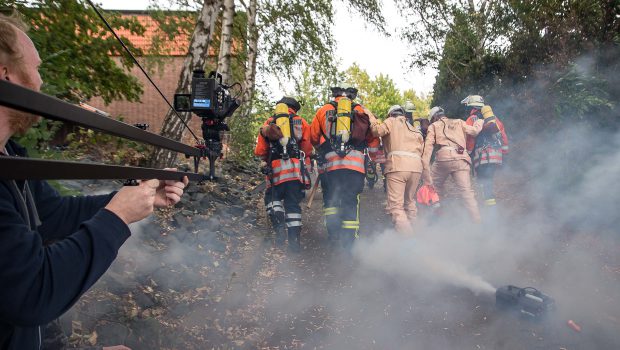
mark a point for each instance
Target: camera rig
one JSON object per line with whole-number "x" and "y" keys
{"x": 211, "y": 100}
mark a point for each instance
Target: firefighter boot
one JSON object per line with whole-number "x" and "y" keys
{"x": 294, "y": 242}
{"x": 278, "y": 223}
{"x": 332, "y": 223}
{"x": 280, "y": 235}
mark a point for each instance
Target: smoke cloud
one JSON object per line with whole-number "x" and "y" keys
{"x": 556, "y": 229}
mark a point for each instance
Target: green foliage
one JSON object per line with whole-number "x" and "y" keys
{"x": 296, "y": 35}
{"x": 245, "y": 131}
{"x": 380, "y": 93}
{"x": 75, "y": 49}
{"x": 37, "y": 138}
{"x": 105, "y": 148}
{"x": 536, "y": 62}
{"x": 422, "y": 103}
{"x": 581, "y": 96}
{"x": 311, "y": 93}
{"x": 62, "y": 190}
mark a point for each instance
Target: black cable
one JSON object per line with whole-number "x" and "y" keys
{"x": 142, "y": 69}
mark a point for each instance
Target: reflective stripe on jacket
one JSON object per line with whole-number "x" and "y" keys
{"x": 354, "y": 160}
{"x": 287, "y": 170}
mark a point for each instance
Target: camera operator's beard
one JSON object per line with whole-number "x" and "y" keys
{"x": 20, "y": 121}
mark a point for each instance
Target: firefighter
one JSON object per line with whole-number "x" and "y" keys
{"x": 488, "y": 148}
{"x": 340, "y": 131}
{"x": 403, "y": 167}
{"x": 447, "y": 136}
{"x": 284, "y": 144}
{"x": 415, "y": 118}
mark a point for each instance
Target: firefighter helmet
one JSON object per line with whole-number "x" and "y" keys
{"x": 396, "y": 110}
{"x": 344, "y": 89}
{"x": 291, "y": 103}
{"x": 409, "y": 107}
{"x": 473, "y": 101}
{"x": 436, "y": 111}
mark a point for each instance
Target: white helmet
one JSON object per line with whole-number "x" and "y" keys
{"x": 435, "y": 111}
{"x": 409, "y": 106}
{"x": 473, "y": 101}
{"x": 396, "y": 110}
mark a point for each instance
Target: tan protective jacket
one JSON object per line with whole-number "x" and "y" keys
{"x": 402, "y": 142}
{"x": 448, "y": 135}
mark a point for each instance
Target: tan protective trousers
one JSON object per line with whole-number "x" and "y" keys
{"x": 401, "y": 192}
{"x": 460, "y": 171}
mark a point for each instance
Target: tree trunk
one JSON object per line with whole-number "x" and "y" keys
{"x": 223, "y": 61}
{"x": 250, "y": 71}
{"x": 173, "y": 127}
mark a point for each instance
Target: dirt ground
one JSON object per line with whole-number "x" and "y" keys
{"x": 222, "y": 284}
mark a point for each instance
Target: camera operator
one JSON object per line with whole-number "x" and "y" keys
{"x": 39, "y": 282}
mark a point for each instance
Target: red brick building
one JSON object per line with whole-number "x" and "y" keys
{"x": 151, "y": 108}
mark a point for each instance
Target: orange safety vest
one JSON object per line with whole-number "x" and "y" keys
{"x": 284, "y": 170}
{"x": 354, "y": 159}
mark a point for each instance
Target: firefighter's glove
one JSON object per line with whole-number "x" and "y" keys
{"x": 272, "y": 132}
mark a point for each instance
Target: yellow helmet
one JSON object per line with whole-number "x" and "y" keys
{"x": 473, "y": 101}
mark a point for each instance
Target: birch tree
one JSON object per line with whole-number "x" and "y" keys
{"x": 250, "y": 69}
{"x": 173, "y": 126}
{"x": 223, "y": 62}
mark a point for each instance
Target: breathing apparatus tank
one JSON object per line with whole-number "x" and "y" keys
{"x": 490, "y": 121}
{"x": 282, "y": 120}
{"x": 343, "y": 121}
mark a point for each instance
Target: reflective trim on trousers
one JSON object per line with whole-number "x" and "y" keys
{"x": 490, "y": 202}
{"x": 330, "y": 211}
{"x": 293, "y": 223}
{"x": 274, "y": 206}
{"x": 293, "y": 215}
{"x": 353, "y": 224}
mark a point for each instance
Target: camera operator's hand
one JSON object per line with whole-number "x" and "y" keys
{"x": 169, "y": 192}
{"x": 134, "y": 203}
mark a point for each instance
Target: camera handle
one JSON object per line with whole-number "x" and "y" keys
{"x": 216, "y": 75}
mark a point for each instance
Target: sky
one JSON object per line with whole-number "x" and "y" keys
{"x": 381, "y": 54}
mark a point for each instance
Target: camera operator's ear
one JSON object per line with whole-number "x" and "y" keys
{"x": 5, "y": 74}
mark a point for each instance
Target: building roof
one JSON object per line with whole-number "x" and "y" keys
{"x": 177, "y": 47}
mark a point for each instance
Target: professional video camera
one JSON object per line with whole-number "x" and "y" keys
{"x": 212, "y": 101}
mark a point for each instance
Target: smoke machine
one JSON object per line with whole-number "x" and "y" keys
{"x": 528, "y": 301}
{"x": 212, "y": 101}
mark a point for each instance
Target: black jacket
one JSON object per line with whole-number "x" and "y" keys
{"x": 38, "y": 282}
